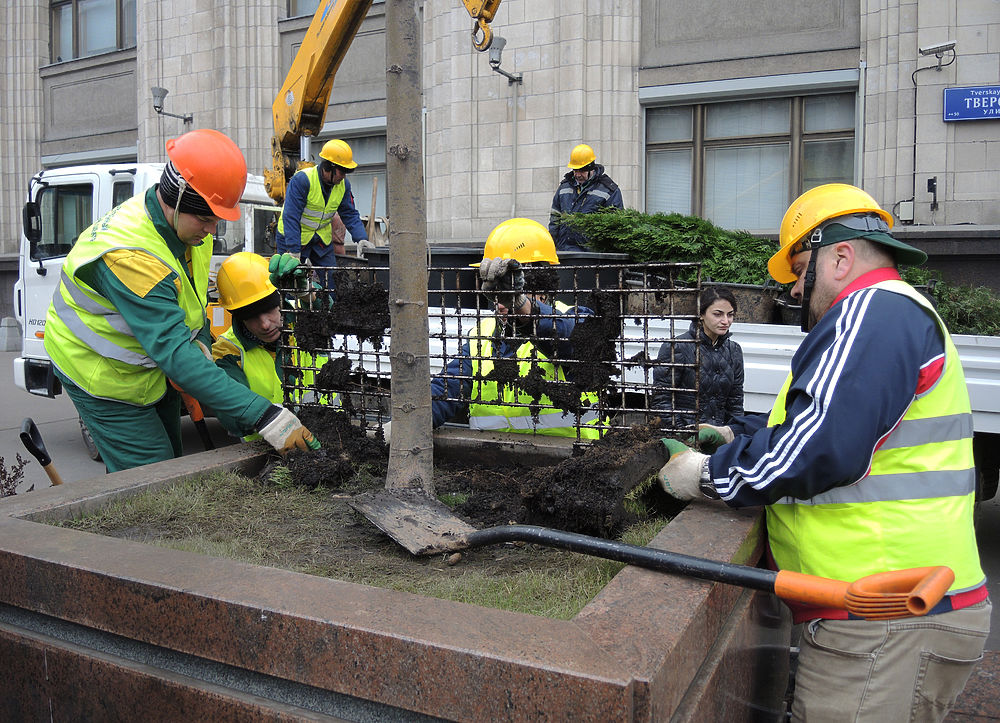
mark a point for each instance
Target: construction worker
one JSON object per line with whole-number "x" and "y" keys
{"x": 247, "y": 350}
{"x": 586, "y": 188}
{"x": 315, "y": 196}
{"x": 129, "y": 313}
{"x": 523, "y": 328}
{"x": 864, "y": 465}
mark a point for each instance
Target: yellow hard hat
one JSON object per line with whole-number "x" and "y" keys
{"x": 809, "y": 211}
{"x": 582, "y": 155}
{"x": 338, "y": 153}
{"x": 243, "y": 279}
{"x": 523, "y": 239}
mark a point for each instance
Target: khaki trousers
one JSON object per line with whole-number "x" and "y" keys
{"x": 911, "y": 669}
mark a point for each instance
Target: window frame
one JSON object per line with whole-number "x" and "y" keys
{"x": 700, "y": 94}
{"x": 121, "y": 42}
{"x": 699, "y": 144}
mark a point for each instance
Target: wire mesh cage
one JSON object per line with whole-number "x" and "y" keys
{"x": 581, "y": 351}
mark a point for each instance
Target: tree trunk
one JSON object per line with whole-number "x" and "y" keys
{"x": 411, "y": 450}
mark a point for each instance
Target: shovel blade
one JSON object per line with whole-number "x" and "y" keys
{"x": 418, "y": 522}
{"x": 31, "y": 438}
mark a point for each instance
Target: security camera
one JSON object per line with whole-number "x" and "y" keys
{"x": 938, "y": 48}
{"x": 496, "y": 51}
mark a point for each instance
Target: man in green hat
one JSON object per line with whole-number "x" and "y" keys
{"x": 864, "y": 466}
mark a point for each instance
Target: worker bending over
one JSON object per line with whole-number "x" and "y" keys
{"x": 522, "y": 328}
{"x": 314, "y": 197}
{"x": 247, "y": 350}
{"x": 864, "y": 465}
{"x": 129, "y": 313}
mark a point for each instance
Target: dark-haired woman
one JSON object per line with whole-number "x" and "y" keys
{"x": 720, "y": 393}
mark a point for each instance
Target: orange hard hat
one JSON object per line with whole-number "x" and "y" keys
{"x": 213, "y": 166}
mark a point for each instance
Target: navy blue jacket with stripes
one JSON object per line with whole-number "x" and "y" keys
{"x": 857, "y": 371}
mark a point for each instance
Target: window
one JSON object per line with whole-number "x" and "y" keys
{"x": 88, "y": 27}
{"x": 121, "y": 191}
{"x": 65, "y": 212}
{"x": 302, "y": 7}
{"x": 738, "y": 163}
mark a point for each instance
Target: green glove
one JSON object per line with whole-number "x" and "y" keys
{"x": 710, "y": 437}
{"x": 283, "y": 266}
{"x": 674, "y": 447}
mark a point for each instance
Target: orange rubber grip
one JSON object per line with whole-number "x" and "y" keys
{"x": 810, "y": 589}
{"x": 882, "y": 596}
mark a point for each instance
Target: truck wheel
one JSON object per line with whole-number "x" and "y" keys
{"x": 88, "y": 441}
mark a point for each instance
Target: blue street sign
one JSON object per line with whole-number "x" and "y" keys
{"x": 977, "y": 102}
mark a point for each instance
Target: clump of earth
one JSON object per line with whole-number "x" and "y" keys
{"x": 357, "y": 307}
{"x": 583, "y": 494}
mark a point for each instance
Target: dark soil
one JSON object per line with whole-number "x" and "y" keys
{"x": 582, "y": 494}
{"x": 346, "y": 448}
{"x": 360, "y": 308}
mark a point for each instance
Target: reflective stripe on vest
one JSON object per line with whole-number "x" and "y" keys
{"x": 913, "y": 509}
{"x": 317, "y": 214}
{"x": 494, "y": 411}
{"x": 87, "y": 338}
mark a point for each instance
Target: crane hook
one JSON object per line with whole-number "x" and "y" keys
{"x": 487, "y": 40}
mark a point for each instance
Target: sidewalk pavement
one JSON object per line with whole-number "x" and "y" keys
{"x": 59, "y": 426}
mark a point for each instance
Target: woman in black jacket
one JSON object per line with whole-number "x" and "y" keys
{"x": 720, "y": 394}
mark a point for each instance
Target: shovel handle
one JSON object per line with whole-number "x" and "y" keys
{"x": 53, "y": 475}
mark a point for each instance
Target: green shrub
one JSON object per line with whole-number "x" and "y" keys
{"x": 965, "y": 309}
{"x": 733, "y": 257}
{"x": 737, "y": 257}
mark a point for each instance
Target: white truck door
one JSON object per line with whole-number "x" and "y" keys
{"x": 62, "y": 203}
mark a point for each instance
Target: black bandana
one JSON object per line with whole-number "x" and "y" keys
{"x": 271, "y": 301}
{"x": 170, "y": 188}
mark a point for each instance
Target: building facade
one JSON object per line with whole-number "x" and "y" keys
{"x": 720, "y": 108}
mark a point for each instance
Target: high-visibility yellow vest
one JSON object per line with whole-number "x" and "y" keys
{"x": 493, "y": 410}
{"x": 914, "y": 508}
{"x": 258, "y": 365}
{"x": 85, "y": 335}
{"x": 317, "y": 214}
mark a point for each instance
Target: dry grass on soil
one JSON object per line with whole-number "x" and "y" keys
{"x": 314, "y": 531}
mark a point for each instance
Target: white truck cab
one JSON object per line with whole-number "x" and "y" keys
{"x": 61, "y": 203}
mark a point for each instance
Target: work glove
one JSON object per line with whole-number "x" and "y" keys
{"x": 283, "y": 431}
{"x": 503, "y": 279}
{"x": 710, "y": 437}
{"x": 287, "y": 272}
{"x": 681, "y": 476}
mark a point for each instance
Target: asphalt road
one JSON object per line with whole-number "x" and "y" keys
{"x": 59, "y": 426}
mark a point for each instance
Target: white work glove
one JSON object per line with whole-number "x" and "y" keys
{"x": 681, "y": 476}
{"x": 710, "y": 437}
{"x": 283, "y": 431}
{"x": 504, "y": 279}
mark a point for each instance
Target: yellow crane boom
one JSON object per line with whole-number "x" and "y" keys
{"x": 300, "y": 105}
